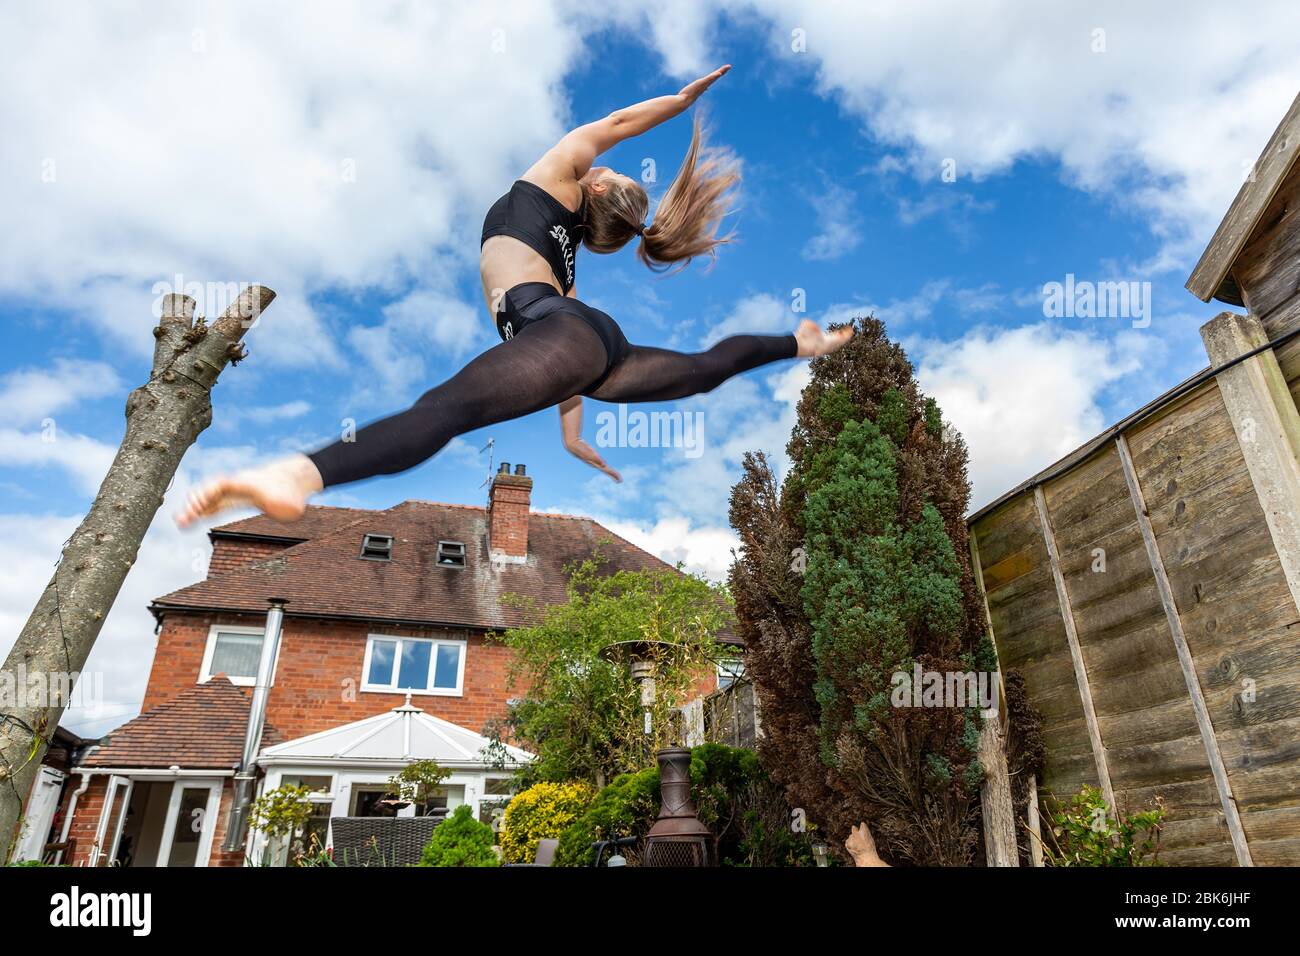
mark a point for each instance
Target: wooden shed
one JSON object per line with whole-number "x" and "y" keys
{"x": 1147, "y": 584}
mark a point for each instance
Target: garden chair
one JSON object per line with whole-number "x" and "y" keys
{"x": 545, "y": 855}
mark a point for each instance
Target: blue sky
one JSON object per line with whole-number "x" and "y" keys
{"x": 345, "y": 158}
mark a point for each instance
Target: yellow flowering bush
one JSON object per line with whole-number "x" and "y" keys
{"x": 543, "y": 811}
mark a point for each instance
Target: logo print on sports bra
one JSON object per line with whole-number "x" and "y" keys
{"x": 559, "y": 234}
{"x": 509, "y": 330}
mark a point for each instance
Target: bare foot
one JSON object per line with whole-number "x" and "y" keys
{"x": 279, "y": 490}
{"x": 814, "y": 341}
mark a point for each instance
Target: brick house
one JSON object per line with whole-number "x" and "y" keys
{"x": 383, "y": 659}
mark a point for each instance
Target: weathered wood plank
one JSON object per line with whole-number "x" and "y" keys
{"x": 1244, "y": 213}
{"x": 1288, "y": 354}
{"x": 1213, "y": 855}
{"x": 1184, "y": 800}
{"x": 1274, "y": 835}
{"x": 1034, "y": 825}
{"x": 1267, "y": 425}
{"x": 1127, "y": 722}
{"x": 1004, "y": 532}
{"x": 1064, "y": 774}
{"x": 1094, "y": 489}
{"x": 1278, "y": 852}
{"x": 1268, "y": 268}
{"x": 1076, "y": 654}
{"x": 1181, "y": 760}
{"x": 1222, "y": 573}
{"x": 1210, "y": 742}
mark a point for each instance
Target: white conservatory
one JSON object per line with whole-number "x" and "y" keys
{"x": 348, "y": 768}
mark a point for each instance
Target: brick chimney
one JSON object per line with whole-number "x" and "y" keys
{"x": 508, "y": 503}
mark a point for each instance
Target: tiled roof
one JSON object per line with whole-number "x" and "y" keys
{"x": 200, "y": 728}
{"x": 319, "y": 520}
{"x": 325, "y": 576}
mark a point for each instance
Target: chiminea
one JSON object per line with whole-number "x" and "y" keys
{"x": 678, "y": 838}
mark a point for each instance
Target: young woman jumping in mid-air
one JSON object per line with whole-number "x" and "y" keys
{"x": 555, "y": 349}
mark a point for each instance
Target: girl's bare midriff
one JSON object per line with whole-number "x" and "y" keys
{"x": 504, "y": 263}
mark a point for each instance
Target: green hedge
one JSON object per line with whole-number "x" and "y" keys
{"x": 543, "y": 811}
{"x": 460, "y": 840}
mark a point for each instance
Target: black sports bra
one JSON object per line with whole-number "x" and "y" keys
{"x": 536, "y": 218}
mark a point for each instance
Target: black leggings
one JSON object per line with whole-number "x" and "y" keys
{"x": 552, "y": 352}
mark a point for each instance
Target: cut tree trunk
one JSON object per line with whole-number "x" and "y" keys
{"x": 163, "y": 418}
{"x": 995, "y": 797}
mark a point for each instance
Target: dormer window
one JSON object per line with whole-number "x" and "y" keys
{"x": 451, "y": 554}
{"x": 377, "y": 547}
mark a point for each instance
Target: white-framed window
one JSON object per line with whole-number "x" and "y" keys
{"x": 320, "y": 785}
{"x": 497, "y": 792}
{"x": 234, "y": 651}
{"x": 730, "y": 670}
{"x": 314, "y": 832}
{"x": 421, "y": 665}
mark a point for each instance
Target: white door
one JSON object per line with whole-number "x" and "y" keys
{"x": 116, "y": 799}
{"x": 190, "y": 823}
{"x": 40, "y": 813}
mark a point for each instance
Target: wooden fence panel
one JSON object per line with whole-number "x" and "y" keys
{"x": 1030, "y": 637}
{"x": 1236, "y": 610}
{"x": 1146, "y": 721}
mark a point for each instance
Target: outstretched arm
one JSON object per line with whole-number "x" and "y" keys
{"x": 571, "y": 428}
{"x": 584, "y": 144}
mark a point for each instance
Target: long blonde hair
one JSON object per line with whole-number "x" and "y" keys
{"x": 688, "y": 216}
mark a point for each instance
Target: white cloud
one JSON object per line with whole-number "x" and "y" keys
{"x": 1017, "y": 424}
{"x": 114, "y": 677}
{"x": 85, "y": 459}
{"x": 704, "y": 550}
{"x": 30, "y": 395}
{"x": 169, "y": 558}
{"x": 233, "y": 417}
{"x": 680, "y": 31}
{"x": 839, "y": 230}
{"x": 760, "y": 314}
{"x": 901, "y": 313}
{"x": 686, "y": 495}
{"x": 914, "y": 308}
{"x": 989, "y": 84}
{"x": 314, "y": 146}
{"x": 422, "y": 325}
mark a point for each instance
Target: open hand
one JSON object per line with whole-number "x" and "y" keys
{"x": 862, "y": 847}
{"x": 580, "y": 449}
{"x": 694, "y": 89}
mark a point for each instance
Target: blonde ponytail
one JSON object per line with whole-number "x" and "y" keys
{"x": 687, "y": 219}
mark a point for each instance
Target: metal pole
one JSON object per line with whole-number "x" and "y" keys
{"x": 237, "y": 824}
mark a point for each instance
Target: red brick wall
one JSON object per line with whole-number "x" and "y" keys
{"x": 318, "y": 677}
{"x": 508, "y": 514}
{"x": 85, "y": 818}
{"x": 228, "y": 555}
{"x": 219, "y": 857}
{"x": 706, "y": 683}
